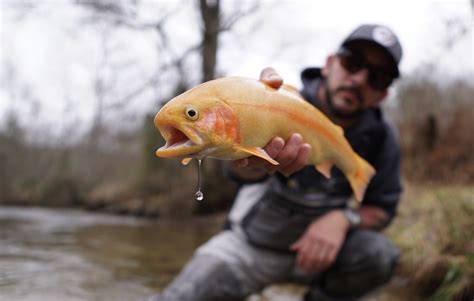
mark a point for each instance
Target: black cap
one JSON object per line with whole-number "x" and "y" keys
{"x": 383, "y": 37}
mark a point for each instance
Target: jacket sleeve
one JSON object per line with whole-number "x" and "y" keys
{"x": 385, "y": 188}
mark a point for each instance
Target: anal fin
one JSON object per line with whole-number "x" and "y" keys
{"x": 256, "y": 151}
{"x": 325, "y": 168}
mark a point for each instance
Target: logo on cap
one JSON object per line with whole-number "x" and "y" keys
{"x": 384, "y": 36}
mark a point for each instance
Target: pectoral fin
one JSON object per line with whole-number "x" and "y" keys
{"x": 325, "y": 168}
{"x": 186, "y": 161}
{"x": 256, "y": 151}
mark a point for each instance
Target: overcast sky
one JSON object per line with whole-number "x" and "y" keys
{"x": 57, "y": 61}
{"x": 312, "y": 29}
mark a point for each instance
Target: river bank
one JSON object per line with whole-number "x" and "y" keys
{"x": 88, "y": 255}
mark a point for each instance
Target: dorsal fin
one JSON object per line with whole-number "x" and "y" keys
{"x": 291, "y": 89}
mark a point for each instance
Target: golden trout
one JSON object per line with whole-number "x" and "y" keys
{"x": 233, "y": 118}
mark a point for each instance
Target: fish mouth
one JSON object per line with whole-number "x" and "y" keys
{"x": 180, "y": 142}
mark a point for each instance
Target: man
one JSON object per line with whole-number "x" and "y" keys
{"x": 288, "y": 222}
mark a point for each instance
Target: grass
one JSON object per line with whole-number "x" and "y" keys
{"x": 434, "y": 229}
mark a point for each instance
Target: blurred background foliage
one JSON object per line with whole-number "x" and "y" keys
{"x": 106, "y": 161}
{"x": 109, "y": 162}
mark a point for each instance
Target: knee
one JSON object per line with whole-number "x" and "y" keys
{"x": 368, "y": 250}
{"x": 203, "y": 278}
{"x": 365, "y": 262}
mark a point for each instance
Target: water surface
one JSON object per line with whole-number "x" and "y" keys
{"x": 65, "y": 254}
{"x": 73, "y": 255}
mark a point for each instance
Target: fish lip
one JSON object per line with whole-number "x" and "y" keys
{"x": 180, "y": 142}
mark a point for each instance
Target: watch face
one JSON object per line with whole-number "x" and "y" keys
{"x": 353, "y": 217}
{"x": 356, "y": 218}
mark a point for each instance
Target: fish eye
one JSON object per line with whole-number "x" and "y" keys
{"x": 191, "y": 113}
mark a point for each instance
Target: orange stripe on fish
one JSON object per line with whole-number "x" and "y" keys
{"x": 309, "y": 122}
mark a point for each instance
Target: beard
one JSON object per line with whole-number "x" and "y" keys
{"x": 342, "y": 114}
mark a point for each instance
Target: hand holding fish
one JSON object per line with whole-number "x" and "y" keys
{"x": 292, "y": 155}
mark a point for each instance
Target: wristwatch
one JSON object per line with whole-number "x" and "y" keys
{"x": 353, "y": 217}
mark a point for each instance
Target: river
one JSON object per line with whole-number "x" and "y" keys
{"x": 75, "y": 255}
{"x": 69, "y": 255}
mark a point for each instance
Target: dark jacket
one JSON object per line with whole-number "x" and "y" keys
{"x": 288, "y": 205}
{"x": 374, "y": 139}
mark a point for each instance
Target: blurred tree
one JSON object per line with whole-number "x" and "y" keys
{"x": 220, "y": 190}
{"x": 433, "y": 120}
{"x": 11, "y": 150}
{"x": 431, "y": 132}
{"x": 210, "y": 13}
{"x": 116, "y": 81}
{"x": 4, "y": 183}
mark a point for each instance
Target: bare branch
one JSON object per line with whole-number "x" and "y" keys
{"x": 237, "y": 16}
{"x": 153, "y": 80}
{"x": 457, "y": 29}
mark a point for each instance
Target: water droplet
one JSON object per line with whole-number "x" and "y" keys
{"x": 199, "y": 196}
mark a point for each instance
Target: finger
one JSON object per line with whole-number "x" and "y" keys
{"x": 300, "y": 161}
{"x": 296, "y": 245}
{"x": 274, "y": 147}
{"x": 323, "y": 259}
{"x": 331, "y": 256}
{"x": 306, "y": 253}
{"x": 271, "y": 77}
{"x": 241, "y": 162}
{"x": 289, "y": 152}
{"x": 309, "y": 260}
{"x": 302, "y": 258}
{"x": 313, "y": 259}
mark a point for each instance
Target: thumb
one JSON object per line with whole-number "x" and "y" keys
{"x": 242, "y": 162}
{"x": 296, "y": 245}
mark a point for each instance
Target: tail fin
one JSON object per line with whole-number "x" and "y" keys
{"x": 361, "y": 178}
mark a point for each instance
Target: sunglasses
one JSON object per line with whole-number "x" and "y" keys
{"x": 379, "y": 78}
